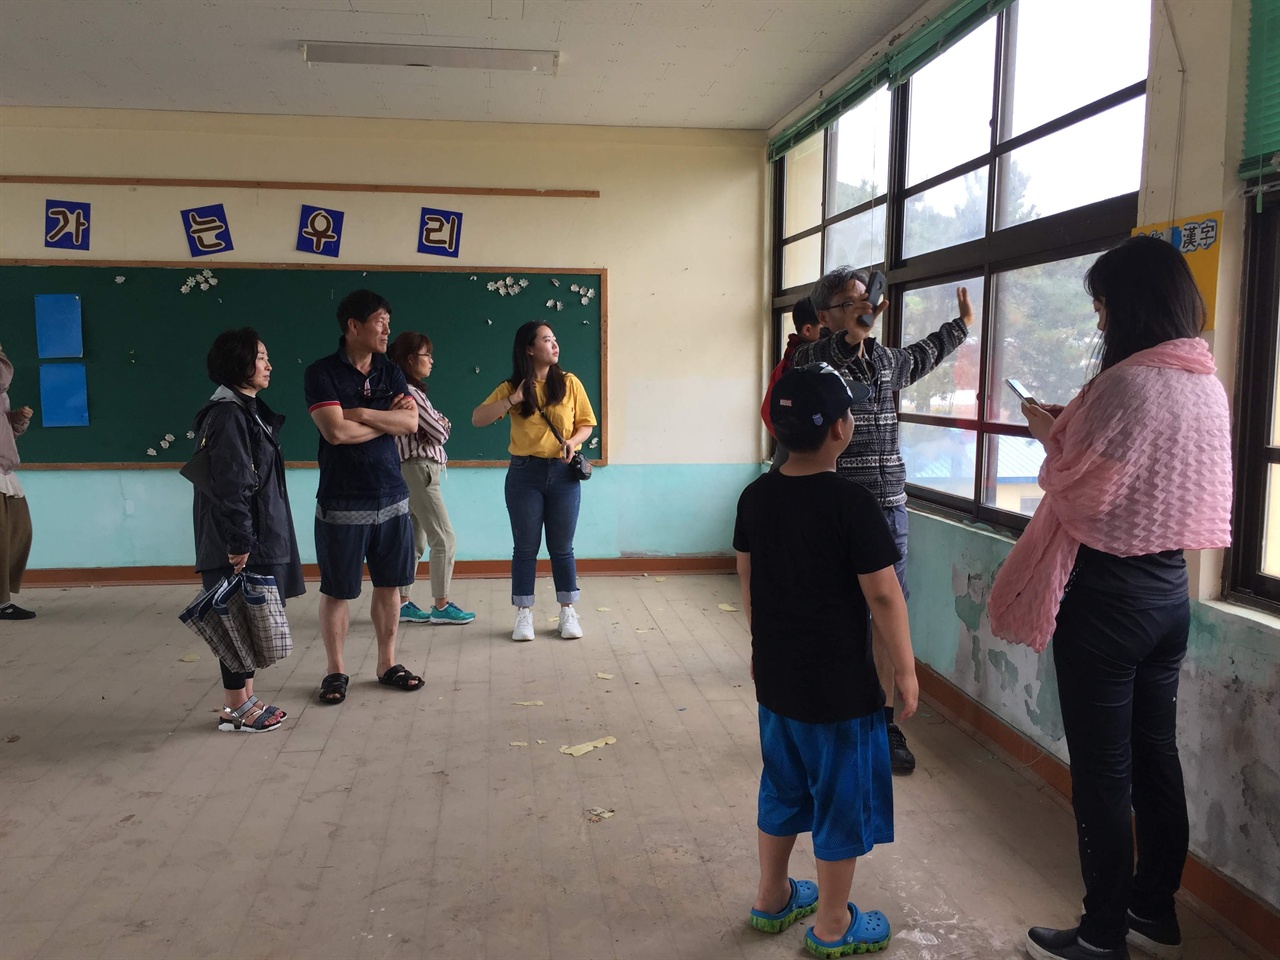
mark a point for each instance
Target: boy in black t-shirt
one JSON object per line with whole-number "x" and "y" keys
{"x": 814, "y": 556}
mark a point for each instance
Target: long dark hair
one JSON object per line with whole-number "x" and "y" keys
{"x": 522, "y": 369}
{"x": 404, "y": 353}
{"x": 1150, "y": 297}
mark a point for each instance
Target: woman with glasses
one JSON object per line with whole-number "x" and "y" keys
{"x": 1137, "y": 469}
{"x": 550, "y": 419}
{"x": 422, "y": 463}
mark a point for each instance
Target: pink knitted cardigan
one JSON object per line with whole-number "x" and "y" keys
{"x": 1140, "y": 462}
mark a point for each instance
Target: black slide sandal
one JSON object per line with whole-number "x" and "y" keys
{"x": 399, "y": 676}
{"x": 333, "y": 688}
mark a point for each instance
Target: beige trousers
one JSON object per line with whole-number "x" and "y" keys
{"x": 430, "y": 522}
{"x": 15, "y": 544}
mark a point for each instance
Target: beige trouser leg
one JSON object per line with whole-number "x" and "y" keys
{"x": 15, "y": 545}
{"x": 430, "y": 522}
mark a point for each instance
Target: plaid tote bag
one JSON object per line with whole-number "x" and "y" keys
{"x": 201, "y": 618}
{"x": 249, "y": 605}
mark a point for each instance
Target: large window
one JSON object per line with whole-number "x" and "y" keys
{"x": 1254, "y": 571}
{"x": 1002, "y": 166}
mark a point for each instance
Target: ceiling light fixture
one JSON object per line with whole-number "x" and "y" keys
{"x": 415, "y": 55}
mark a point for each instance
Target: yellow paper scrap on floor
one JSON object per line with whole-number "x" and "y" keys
{"x": 605, "y": 676}
{"x": 579, "y": 749}
{"x": 519, "y": 743}
{"x": 527, "y": 703}
{"x": 728, "y": 608}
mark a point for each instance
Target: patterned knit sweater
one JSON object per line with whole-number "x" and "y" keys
{"x": 872, "y": 457}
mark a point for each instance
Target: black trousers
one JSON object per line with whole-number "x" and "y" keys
{"x": 1117, "y": 659}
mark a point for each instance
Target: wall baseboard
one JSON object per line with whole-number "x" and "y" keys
{"x": 1250, "y": 918}
{"x": 462, "y": 570}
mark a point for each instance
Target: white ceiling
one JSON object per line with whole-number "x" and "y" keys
{"x": 656, "y": 63}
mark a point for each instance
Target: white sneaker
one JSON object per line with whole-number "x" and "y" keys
{"x": 570, "y": 628}
{"x": 524, "y": 624}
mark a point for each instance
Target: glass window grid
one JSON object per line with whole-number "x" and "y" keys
{"x": 1255, "y": 525}
{"x": 1091, "y": 228}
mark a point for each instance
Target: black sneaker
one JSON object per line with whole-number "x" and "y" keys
{"x": 1162, "y": 940}
{"x": 1044, "y": 943}
{"x": 901, "y": 759}
{"x": 11, "y": 611}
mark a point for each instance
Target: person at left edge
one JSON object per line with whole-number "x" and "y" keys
{"x": 247, "y": 523}
{"x": 360, "y": 403}
{"x": 15, "y": 518}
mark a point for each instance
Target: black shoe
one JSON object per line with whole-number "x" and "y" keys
{"x": 901, "y": 759}
{"x": 1044, "y": 943}
{"x": 1162, "y": 940}
{"x": 11, "y": 611}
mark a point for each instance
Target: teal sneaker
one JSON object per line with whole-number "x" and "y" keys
{"x": 451, "y": 613}
{"x": 410, "y": 612}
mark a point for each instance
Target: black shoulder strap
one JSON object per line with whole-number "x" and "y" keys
{"x": 554, "y": 431}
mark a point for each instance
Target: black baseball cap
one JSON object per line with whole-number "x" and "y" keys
{"x": 815, "y": 395}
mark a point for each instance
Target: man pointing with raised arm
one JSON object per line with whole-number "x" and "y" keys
{"x": 873, "y": 458}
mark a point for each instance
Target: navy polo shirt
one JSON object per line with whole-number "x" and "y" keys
{"x": 357, "y": 471}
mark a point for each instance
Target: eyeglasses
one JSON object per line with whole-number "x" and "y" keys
{"x": 847, "y": 304}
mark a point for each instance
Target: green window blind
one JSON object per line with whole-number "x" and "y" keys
{"x": 1262, "y": 101}
{"x": 893, "y": 67}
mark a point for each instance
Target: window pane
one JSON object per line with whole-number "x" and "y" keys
{"x": 951, "y": 106}
{"x": 858, "y": 241}
{"x": 1047, "y": 77}
{"x": 800, "y": 261}
{"x": 860, "y": 154}
{"x": 1013, "y": 466}
{"x": 802, "y": 203}
{"x": 940, "y": 458}
{"x": 1092, "y": 160}
{"x": 1045, "y": 333}
{"x": 1275, "y": 400}
{"x": 952, "y": 212}
{"x": 951, "y": 390}
{"x": 1271, "y": 525}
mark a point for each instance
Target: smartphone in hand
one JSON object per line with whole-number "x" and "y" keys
{"x": 875, "y": 293}
{"x": 1023, "y": 393}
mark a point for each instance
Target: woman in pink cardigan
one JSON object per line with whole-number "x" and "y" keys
{"x": 1137, "y": 469}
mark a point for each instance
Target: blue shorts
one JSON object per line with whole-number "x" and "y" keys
{"x": 350, "y": 533}
{"x": 829, "y": 779}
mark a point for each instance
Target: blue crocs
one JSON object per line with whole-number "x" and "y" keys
{"x": 867, "y": 933}
{"x": 804, "y": 900}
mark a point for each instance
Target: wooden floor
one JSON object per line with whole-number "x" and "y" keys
{"x": 412, "y": 825}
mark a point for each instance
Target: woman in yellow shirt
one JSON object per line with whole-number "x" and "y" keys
{"x": 541, "y": 489}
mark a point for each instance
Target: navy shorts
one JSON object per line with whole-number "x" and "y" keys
{"x": 351, "y": 533}
{"x": 829, "y": 779}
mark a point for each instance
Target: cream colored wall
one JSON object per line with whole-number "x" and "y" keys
{"x": 679, "y": 225}
{"x": 1194, "y": 133}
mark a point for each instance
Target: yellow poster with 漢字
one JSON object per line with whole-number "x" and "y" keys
{"x": 1198, "y": 239}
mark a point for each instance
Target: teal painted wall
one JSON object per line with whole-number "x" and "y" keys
{"x": 1229, "y": 695}
{"x": 128, "y": 518}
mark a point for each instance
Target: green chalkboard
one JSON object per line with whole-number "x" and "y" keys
{"x": 145, "y": 343}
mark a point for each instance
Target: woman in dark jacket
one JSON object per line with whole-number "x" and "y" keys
{"x": 244, "y": 522}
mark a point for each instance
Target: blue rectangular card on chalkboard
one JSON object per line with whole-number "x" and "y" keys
{"x": 320, "y": 231}
{"x": 207, "y": 230}
{"x": 64, "y": 395}
{"x": 58, "y": 331}
{"x": 66, "y": 224}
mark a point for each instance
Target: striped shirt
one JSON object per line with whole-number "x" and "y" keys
{"x": 428, "y": 440}
{"x": 873, "y": 457}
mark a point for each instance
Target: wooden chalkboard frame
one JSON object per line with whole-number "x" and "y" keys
{"x": 602, "y": 272}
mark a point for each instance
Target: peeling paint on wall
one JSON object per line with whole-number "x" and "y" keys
{"x": 1229, "y": 696}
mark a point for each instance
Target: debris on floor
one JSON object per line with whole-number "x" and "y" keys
{"x": 190, "y": 658}
{"x": 728, "y": 608}
{"x": 579, "y": 749}
{"x": 604, "y": 676}
{"x": 527, "y": 703}
{"x": 602, "y": 609}
{"x": 596, "y": 814}
{"x": 519, "y": 743}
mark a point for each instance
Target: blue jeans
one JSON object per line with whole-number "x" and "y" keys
{"x": 542, "y": 492}
{"x": 896, "y": 517}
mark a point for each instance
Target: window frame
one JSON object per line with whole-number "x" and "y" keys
{"x": 1256, "y": 368}
{"x": 1086, "y": 229}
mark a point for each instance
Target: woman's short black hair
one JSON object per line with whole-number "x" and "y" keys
{"x": 233, "y": 356}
